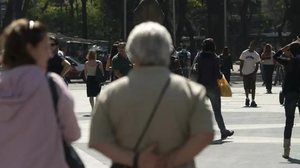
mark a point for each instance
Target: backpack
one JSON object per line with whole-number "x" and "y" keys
{"x": 183, "y": 58}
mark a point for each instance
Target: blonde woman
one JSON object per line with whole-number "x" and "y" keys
{"x": 92, "y": 86}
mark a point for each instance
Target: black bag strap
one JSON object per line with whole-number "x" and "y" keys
{"x": 53, "y": 91}
{"x": 152, "y": 115}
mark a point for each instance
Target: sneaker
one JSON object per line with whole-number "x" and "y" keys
{"x": 253, "y": 104}
{"x": 269, "y": 92}
{"x": 247, "y": 102}
{"x": 226, "y": 134}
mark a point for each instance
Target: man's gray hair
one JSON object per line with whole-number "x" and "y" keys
{"x": 149, "y": 43}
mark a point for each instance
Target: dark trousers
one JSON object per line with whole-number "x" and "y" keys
{"x": 291, "y": 101}
{"x": 213, "y": 93}
{"x": 227, "y": 74}
{"x": 268, "y": 73}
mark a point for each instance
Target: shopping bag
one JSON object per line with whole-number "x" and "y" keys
{"x": 224, "y": 87}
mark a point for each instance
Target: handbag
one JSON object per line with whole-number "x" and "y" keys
{"x": 224, "y": 87}
{"x": 100, "y": 78}
{"x": 117, "y": 165}
{"x": 71, "y": 157}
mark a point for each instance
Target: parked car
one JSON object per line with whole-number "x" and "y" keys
{"x": 77, "y": 69}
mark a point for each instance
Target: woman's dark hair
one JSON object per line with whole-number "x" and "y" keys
{"x": 54, "y": 39}
{"x": 208, "y": 45}
{"x": 114, "y": 49}
{"x": 295, "y": 49}
{"x": 15, "y": 38}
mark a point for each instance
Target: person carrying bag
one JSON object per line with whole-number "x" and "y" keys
{"x": 72, "y": 158}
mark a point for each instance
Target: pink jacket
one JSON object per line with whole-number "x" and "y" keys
{"x": 29, "y": 134}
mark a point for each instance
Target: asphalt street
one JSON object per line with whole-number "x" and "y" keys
{"x": 257, "y": 142}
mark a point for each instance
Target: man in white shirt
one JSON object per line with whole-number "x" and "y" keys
{"x": 249, "y": 65}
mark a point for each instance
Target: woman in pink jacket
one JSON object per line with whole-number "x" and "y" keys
{"x": 30, "y": 135}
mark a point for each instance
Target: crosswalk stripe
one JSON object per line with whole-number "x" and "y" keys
{"x": 89, "y": 161}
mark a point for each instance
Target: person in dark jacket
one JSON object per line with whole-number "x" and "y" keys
{"x": 291, "y": 88}
{"x": 226, "y": 63}
{"x": 208, "y": 70}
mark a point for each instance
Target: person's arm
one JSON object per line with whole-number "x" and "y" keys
{"x": 147, "y": 158}
{"x": 241, "y": 67}
{"x": 230, "y": 62}
{"x": 66, "y": 67}
{"x": 256, "y": 67}
{"x": 108, "y": 63}
{"x": 102, "y": 137}
{"x": 278, "y": 57}
{"x": 242, "y": 59}
{"x": 195, "y": 144}
{"x": 285, "y": 50}
{"x": 101, "y": 67}
{"x": 85, "y": 70}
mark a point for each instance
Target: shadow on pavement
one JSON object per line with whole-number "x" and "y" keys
{"x": 294, "y": 161}
{"x": 219, "y": 142}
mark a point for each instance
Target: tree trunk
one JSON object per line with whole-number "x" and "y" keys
{"x": 294, "y": 18}
{"x": 15, "y": 9}
{"x": 71, "y": 13}
{"x": 84, "y": 19}
{"x": 244, "y": 24}
{"x": 44, "y": 8}
{"x": 215, "y": 22}
{"x": 165, "y": 6}
{"x": 281, "y": 26}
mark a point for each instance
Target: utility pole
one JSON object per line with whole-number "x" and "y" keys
{"x": 225, "y": 22}
{"x": 125, "y": 20}
{"x": 174, "y": 22}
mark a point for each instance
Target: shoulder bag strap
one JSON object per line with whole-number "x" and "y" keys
{"x": 53, "y": 93}
{"x": 152, "y": 114}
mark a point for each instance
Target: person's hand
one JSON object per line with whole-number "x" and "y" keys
{"x": 297, "y": 40}
{"x": 286, "y": 48}
{"x": 148, "y": 158}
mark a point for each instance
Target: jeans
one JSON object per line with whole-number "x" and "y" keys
{"x": 291, "y": 100}
{"x": 213, "y": 93}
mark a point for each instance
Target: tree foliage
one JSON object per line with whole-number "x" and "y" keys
{"x": 104, "y": 19}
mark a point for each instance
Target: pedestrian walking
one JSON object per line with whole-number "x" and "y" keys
{"x": 250, "y": 60}
{"x": 184, "y": 57}
{"x": 268, "y": 66}
{"x": 226, "y": 63}
{"x": 291, "y": 89}
{"x": 31, "y": 130}
{"x": 208, "y": 72}
{"x": 121, "y": 65}
{"x": 175, "y": 66}
{"x": 57, "y": 62}
{"x": 152, "y": 117}
{"x": 93, "y": 87}
{"x": 108, "y": 66}
{"x": 279, "y": 74}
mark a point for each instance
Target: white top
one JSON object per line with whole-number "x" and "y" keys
{"x": 250, "y": 59}
{"x": 268, "y": 61}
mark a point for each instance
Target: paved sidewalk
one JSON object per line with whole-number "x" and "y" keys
{"x": 257, "y": 142}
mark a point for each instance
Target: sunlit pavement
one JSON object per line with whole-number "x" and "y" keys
{"x": 257, "y": 142}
